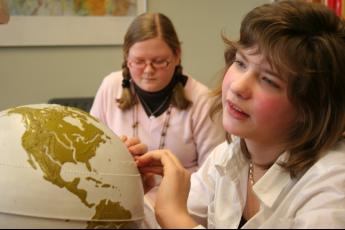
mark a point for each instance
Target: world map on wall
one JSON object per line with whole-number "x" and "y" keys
{"x": 63, "y": 143}
{"x": 72, "y": 7}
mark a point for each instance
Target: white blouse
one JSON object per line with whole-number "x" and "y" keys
{"x": 316, "y": 200}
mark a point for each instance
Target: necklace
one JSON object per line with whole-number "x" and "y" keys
{"x": 262, "y": 169}
{"x": 164, "y": 128}
{"x": 252, "y": 204}
{"x": 251, "y": 173}
{"x": 147, "y": 107}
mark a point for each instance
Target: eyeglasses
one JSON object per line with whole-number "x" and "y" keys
{"x": 156, "y": 64}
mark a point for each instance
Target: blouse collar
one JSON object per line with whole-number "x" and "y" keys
{"x": 270, "y": 185}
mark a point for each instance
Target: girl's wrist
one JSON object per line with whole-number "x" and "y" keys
{"x": 176, "y": 220}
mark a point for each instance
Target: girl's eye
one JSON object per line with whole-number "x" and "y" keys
{"x": 269, "y": 82}
{"x": 240, "y": 64}
{"x": 159, "y": 61}
{"x": 139, "y": 62}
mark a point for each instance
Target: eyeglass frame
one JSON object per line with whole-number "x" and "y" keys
{"x": 153, "y": 64}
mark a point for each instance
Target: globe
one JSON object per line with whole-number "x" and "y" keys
{"x": 62, "y": 168}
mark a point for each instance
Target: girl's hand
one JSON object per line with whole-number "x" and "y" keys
{"x": 171, "y": 203}
{"x": 134, "y": 146}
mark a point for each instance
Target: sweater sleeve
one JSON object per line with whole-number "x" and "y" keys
{"x": 106, "y": 96}
{"x": 207, "y": 133}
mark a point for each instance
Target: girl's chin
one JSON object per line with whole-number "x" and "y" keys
{"x": 232, "y": 130}
{"x": 234, "y": 127}
{"x": 150, "y": 88}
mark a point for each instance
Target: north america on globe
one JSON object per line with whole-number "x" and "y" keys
{"x": 59, "y": 136}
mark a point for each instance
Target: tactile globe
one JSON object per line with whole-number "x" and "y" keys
{"x": 62, "y": 168}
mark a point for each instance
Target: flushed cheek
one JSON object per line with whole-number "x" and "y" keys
{"x": 135, "y": 74}
{"x": 272, "y": 111}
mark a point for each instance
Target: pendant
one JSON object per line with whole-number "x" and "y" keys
{"x": 152, "y": 117}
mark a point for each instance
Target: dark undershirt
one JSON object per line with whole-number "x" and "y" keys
{"x": 160, "y": 99}
{"x": 242, "y": 222}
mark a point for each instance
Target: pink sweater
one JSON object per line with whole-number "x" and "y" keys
{"x": 191, "y": 134}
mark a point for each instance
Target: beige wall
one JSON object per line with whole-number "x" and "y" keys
{"x": 35, "y": 74}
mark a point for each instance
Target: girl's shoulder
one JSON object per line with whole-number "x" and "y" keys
{"x": 112, "y": 82}
{"x": 330, "y": 167}
{"x": 195, "y": 86}
{"x": 333, "y": 157}
{"x": 113, "y": 77}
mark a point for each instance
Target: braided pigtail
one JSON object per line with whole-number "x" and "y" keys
{"x": 179, "y": 98}
{"x": 127, "y": 99}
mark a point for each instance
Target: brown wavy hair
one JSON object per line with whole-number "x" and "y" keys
{"x": 305, "y": 43}
{"x": 147, "y": 26}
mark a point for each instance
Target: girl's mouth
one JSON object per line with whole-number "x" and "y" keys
{"x": 236, "y": 112}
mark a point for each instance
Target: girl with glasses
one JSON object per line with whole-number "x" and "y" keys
{"x": 153, "y": 100}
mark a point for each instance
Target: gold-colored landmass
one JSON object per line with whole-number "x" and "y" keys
{"x": 51, "y": 141}
{"x": 108, "y": 210}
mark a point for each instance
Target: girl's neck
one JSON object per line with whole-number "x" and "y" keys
{"x": 263, "y": 155}
{"x": 155, "y": 103}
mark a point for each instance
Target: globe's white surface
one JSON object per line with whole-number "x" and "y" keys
{"x": 60, "y": 168}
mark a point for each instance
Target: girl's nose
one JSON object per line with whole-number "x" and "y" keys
{"x": 242, "y": 85}
{"x": 148, "y": 68}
